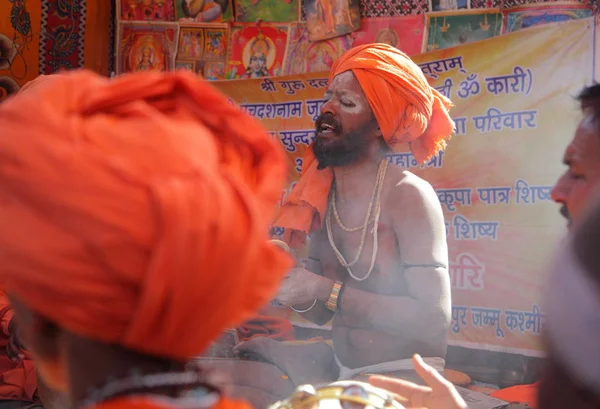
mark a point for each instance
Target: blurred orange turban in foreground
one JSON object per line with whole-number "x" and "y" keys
{"x": 135, "y": 210}
{"x": 407, "y": 110}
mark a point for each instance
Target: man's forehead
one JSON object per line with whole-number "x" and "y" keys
{"x": 585, "y": 145}
{"x": 345, "y": 83}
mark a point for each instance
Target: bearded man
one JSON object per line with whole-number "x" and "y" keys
{"x": 378, "y": 253}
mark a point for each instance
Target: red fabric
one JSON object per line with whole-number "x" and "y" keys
{"x": 17, "y": 378}
{"x": 527, "y": 394}
{"x": 265, "y": 326}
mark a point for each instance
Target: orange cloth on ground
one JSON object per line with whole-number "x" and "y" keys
{"x": 527, "y": 394}
{"x": 265, "y": 326}
{"x": 407, "y": 109}
{"x": 123, "y": 200}
{"x": 18, "y": 380}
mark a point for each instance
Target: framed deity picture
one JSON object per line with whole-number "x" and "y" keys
{"x": 256, "y": 50}
{"x": 142, "y": 47}
{"x": 203, "y": 11}
{"x": 406, "y": 33}
{"x": 449, "y": 29}
{"x": 331, "y": 18}
{"x": 204, "y": 44}
{"x": 305, "y": 56}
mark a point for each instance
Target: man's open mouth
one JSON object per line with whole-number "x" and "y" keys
{"x": 326, "y": 129}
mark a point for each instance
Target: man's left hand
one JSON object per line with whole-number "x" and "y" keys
{"x": 300, "y": 286}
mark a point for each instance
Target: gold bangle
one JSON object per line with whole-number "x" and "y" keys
{"x": 332, "y": 302}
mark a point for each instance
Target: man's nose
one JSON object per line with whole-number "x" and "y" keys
{"x": 328, "y": 107}
{"x": 560, "y": 190}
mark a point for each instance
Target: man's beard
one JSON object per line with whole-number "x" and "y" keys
{"x": 564, "y": 211}
{"x": 342, "y": 149}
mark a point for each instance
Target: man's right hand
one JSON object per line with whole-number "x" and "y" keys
{"x": 440, "y": 394}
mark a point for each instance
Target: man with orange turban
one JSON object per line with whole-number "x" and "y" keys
{"x": 121, "y": 202}
{"x": 378, "y": 260}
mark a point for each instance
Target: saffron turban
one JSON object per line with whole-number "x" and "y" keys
{"x": 407, "y": 110}
{"x": 135, "y": 210}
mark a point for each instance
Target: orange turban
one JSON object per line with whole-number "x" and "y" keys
{"x": 407, "y": 110}
{"x": 135, "y": 210}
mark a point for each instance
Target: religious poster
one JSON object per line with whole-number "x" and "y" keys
{"x": 185, "y": 66}
{"x": 449, "y": 29}
{"x": 406, "y": 33}
{"x": 304, "y": 55}
{"x": 256, "y": 50}
{"x": 494, "y": 179}
{"x": 251, "y": 11}
{"x": 146, "y": 47}
{"x": 203, "y": 11}
{"x": 205, "y": 48}
{"x": 331, "y": 18}
{"x": 445, "y": 5}
{"x": 149, "y": 10}
{"x": 521, "y": 17}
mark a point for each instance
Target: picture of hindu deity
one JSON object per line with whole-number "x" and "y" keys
{"x": 266, "y": 10}
{"x": 533, "y": 15}
{"x": 331, "y": 18}
{"x": 185, "y": 65}
{"x": 449, "y": 29}
{"x": 305, "y": 56}
{"x": 257, "y": 51}
{"x": 201, "y": 44}
{"x": 215, "y": 46}
{"x": 405, "y": 32}
{"x": 146, "y": 48}
{"x": 214, "y": 71}
{"x": 443, "y": 5}
{"x": 204, "y": 11}
{"x": 149, "y": 10}
{"x": 191, "y": 43}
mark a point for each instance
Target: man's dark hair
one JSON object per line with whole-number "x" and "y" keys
{"x": 589, "y": 98}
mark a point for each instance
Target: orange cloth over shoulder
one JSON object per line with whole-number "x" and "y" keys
{"x": 407, "y": 109}
{"x": 122, "y": 201}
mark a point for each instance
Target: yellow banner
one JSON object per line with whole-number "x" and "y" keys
{"x": 515, "y": 113}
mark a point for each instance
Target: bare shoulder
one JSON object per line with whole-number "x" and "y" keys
{"x": 416, "y": 213}
{"x": 408, "y": 194}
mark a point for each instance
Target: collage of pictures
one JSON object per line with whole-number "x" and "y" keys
{"x": 237, "y": 39}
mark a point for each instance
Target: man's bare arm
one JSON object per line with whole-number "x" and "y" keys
{"x": 420, "y": 230}
{"x": 319, "y": 314}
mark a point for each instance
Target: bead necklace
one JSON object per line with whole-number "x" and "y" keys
{"x": 375, "y": 205}
{"x": 194, "y": 386}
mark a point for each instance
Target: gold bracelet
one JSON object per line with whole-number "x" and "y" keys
{"x": 332, "y": 302}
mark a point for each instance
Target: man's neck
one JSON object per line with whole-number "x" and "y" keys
{"x": 356, "y": 180}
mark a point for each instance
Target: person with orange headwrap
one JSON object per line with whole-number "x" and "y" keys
{"x": 121, "y": 202}
{"x": 378, "y": 259}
